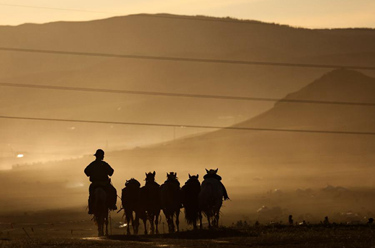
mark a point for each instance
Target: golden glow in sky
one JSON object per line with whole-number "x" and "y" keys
{"x": 311, "y": 14}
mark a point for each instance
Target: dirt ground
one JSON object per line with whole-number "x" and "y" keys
{"x": 78, "y": 235}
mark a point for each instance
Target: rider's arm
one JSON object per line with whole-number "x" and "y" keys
{"x": 110, "y": 170}
{"x": 88, "y": 170}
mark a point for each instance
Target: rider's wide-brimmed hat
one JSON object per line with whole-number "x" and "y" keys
{"x": 99, "y": 152}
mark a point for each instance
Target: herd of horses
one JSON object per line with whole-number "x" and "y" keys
{"x": 145, "y": 203}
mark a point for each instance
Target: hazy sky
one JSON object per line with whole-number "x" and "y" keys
{"x": 305, "y": 13}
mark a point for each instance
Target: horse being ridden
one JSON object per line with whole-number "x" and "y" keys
{"x": 211, "y": 197}
{"x": 130, "y": 203}
{"x": 171, "y": 200}
{"x": 150, "y": 203}
{"x": 100, "y": 210}
{"x": 103, "y": 195}
{"x": 189, "y": 193}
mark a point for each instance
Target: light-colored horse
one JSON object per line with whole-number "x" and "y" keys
{"x": 101, "y": 211}
{"x": 211, "y": 200}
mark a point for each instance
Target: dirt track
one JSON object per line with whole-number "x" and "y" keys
{"x": 283, "y": 236}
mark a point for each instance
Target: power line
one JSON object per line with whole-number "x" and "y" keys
{"x": 150, "y": 93}
{"x": 187, "y": 126}
{"x": 52, "y": 8}
{"x": 197, "y": 60}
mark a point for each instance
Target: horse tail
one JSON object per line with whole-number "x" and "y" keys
{"x": 191, "y": 215}
{"x": 189, "y": 197}
{"x": 205, "y": 199}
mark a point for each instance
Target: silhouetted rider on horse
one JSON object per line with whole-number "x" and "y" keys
{"x": 98, "y": 171}
{"x": 213, "y": 174}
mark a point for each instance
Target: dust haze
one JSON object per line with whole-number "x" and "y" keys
{"x": 268, "y": 174}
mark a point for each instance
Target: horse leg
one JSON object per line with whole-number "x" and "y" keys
{"x": 145, "y": 224}
{"x": 209, "y": 221}
{"x": 136, "y": 224}
{"x": 178, "y": 220}
{"x": 200, "y": 219}
{"x": 132, "y": 221}
{"x": 100, "y": 226}
{"x": 99, "y": 229}
{"x": 152, "y": 226}
{"x": 217, "y": 219}
{"x": 157, "y": 222}
{"x": 195, "y": 221}
{"x": 195, "y": 225}
{"x": 170, "y": 223}
{"x": 127, "y": 223}
{"x": 106, "y": 225}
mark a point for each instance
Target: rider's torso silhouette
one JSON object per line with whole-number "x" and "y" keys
{"x": 212, "y": 174}
{"x": 98, "y": 171}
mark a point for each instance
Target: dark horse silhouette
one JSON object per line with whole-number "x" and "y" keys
{"x": 150, "y": 203}
{"x": 171, "y": 200}
{"x": 130, "y": 203}
{"x": 189, "y": 193}
{"x": 211, "y": 197}
{"x": 101, "y": 210}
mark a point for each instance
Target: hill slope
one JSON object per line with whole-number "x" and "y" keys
{"x": 250, "y": 160}
{"x": 254, "y": 151}
{"x": 152, "y": 35}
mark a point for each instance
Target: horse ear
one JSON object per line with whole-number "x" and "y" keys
{"x": 216, "y": 170}
{"x": 146, "y": 174}
{"x": 206, "y": 170}
{"x": 189, "y": 175}
{"x": 197, "y": 176}
{"x": 154, "y": 173}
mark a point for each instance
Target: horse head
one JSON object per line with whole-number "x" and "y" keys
{"x": 132, "y": 182}
{"x": 212, "y": 171}
{"x": 150, "y": 177}
{"x": 193, "y": 177}
{"x": 172, "y": 176}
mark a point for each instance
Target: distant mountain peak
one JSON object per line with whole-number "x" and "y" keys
{"x": 343, "y": 73}
{"x": 339, "y": 85}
